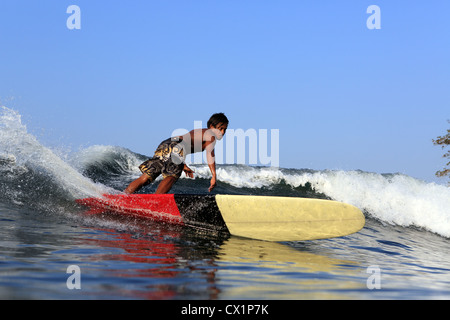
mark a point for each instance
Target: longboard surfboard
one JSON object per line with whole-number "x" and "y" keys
{"x": 258, "y": 217}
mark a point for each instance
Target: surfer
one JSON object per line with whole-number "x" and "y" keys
{"x": 169, "y": 157}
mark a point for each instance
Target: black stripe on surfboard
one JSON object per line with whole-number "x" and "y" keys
{"x": 200, "y": 211}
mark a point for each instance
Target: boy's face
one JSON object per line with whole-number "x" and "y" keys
{"x": 219, "y": 130}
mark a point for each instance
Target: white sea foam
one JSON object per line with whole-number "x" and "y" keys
{"x": 16, "y": 143}
{"x": 394, "y": 198}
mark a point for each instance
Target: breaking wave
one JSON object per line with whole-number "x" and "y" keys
{"x": 34, "y": 175}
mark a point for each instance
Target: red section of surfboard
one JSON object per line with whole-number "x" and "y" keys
{"x": 160, "y": 207}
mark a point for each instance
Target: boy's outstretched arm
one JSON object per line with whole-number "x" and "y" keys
{"x": 210, "y": 157}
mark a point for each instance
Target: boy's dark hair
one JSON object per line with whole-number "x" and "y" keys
{"x": 217, "y": 118}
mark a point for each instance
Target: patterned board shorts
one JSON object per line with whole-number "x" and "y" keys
{"x": 168, "y": 160}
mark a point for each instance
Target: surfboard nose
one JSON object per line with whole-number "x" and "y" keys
{"x": 288, "y": 219}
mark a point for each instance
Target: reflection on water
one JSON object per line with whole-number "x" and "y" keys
{"x": 183, "y": 263}
{"x": 135, "y": 259}
{"x": 278, "y": 271}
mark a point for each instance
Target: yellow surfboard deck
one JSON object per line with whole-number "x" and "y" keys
{"x": 288, "y": 219}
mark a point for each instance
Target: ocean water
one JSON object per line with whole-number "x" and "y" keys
{"x": 403, "y": 251}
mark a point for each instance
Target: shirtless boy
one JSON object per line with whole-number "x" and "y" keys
{"x": 169, "y": 157}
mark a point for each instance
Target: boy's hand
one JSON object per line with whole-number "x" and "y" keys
{"x": 188, "y": 171}
{"x": 213, "y": 184}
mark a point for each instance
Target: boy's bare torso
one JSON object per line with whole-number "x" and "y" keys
{"x": 198, "y": 140}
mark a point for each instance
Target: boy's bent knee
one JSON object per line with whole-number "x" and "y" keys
{"x": 166, "y": 184}
{"x": 145, "y": 179}
{"x": 134, "y": 186}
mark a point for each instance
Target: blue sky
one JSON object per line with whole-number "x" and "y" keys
{"x": 342, "y": 96}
